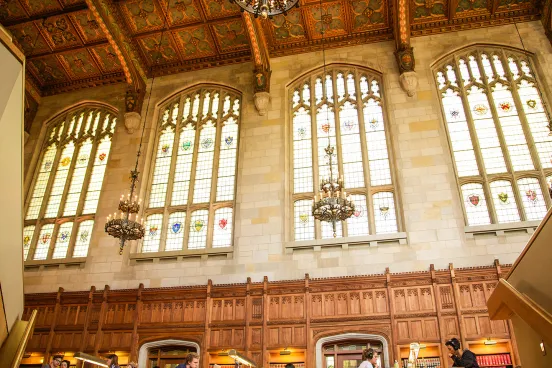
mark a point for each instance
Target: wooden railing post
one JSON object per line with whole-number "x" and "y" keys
{"x": 53, "y": 326}
{"x": 87, "y": 318}
{"x": 265, "y": 356}
{"x": 207, "y": 329}
{"x": 437, "y": 303}
{"x": 136, "y": 320}
{"x": 395, "y": 350}
{"x": 307, "y": 312}
{"x": 248, "y": 310}
{"x": 456, "y": 295}
{"x": 103, "y": 309}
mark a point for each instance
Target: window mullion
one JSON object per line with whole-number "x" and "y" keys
{"x": 365, "y": 161}
{"x": 475, "y": 143}
{"x": 53, "y": 241}
{"x": 216, "y": 157}
{"x": 337, "y": 108}
{"x": 500, "y": 133}
{"x": 314, "y": 147}
{"x": 69, "y": 178}
{"x": 91, "y": 161}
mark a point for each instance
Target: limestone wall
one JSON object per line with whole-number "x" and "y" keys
{"x": 430, "y": 198}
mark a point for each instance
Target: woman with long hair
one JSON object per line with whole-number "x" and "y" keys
{"x": 113, "y": 361}
{"x": 65, "y": 364}
{"x": 369, "y": 358}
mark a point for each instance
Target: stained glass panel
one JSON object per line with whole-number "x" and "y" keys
{"x": 532, "y": 198}
{"x": 97, "y": 176}
{"x": 198, "y": 229}
{"x": 222, "y": 233}
{"x": 62, "y": 240}
{"x": 304, "y": 222}
{"x": 384, "y": 213}
{"x": 43, "y": 243}
{"x": 183, "y": 169}
{"x": 82, "y": 242}
{"x": 378, "y": 155}
{"x": 227, "y": 161}
{"x": 475, "y": 204}
{"x": 350, "y": 143}
{"x": 504, "y": 201}
{"x": 302, "y": 151}
{"x": 162, "y": 167}
{"x": 56, "y": 191}
{"x": 41, "y": 182}
{"x": 77, "y": 179}
{"x": 175, "y": 231}
{"x": 327, "y": 230}
{"x": 204, "y": 166}
{"x": 28, "y": 232}
{"x": 152, "y": 238}
{"x": 358, "y": 224}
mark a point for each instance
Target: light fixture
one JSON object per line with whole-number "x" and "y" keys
{"x": 240, "y": 358}
{"x": 223, "y": 353}
{"x": 414, "y": 351}
{"x": 543, "y": 348}
{"x": 331, "y": 204}
{"x": 90, "y": 359}
{"x": 489, "y": 341}
{"x": 266, "y": 8}
{"x": 285, "y": 352}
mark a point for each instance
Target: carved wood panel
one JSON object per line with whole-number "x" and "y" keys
{"x": 475, "y": 295}
{"x": 349, "y": 303}
{"x": 67, "y": 340}
{"x": 480, "y": 326}
{"x": 446, "y": 297}
{"x": 413, "y": 299}
{"x": 417, "y": 329}
{"x": 168, "y": 312}
{"x": 45, "y": 316}
{"x": 256, "y": 337}
{"x": 38, "y": 342}
{"x": 286, "y": 307}
{"x": 228, "y": 337}
{"x": 283, "y": 336}
{"x": 120, "y": 313}
{"x": 116, "y": 340}
{"x": 228, "y": 309}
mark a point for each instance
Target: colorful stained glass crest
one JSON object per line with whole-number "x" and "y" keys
{"x": 176, "y": 227}
{"x": 44, "y": 239}
{"x": 228, "y": 140}
{"x": 454, "y": 114}
{"x": 532, "y": 104}
{"x": 374, "y": 123}
{"x": 153, "y": 230}
{"x": 47, "y": 165}
{"x": 65, "y": 161}
{"x": 384, "y": 211}
{"x": 325, "y": 127}
{"x": 102, "y": 156}
{"x": 186, "y": 145}
{"x": 480, "y": 109}
{"x": 349, "y": 124}
{"x": 82, "y": 159}
{"x": 503, "y": 197}
{"x": 165, "y": 148}
{"x": 222, "y": 223}
{"x": 532, "y": 196}
{"x": 207, "y": 143}
{"x": 64, "y": 236}
{"x": 474, "y": 199}
{"x": 84, "y": 236}
{"x": 26, "y": 240}
{"x": 304, "y": 218}
{"x": 302, "y": 132}
{"x": 198, "y": 225}
{"x": 505, "y": 106}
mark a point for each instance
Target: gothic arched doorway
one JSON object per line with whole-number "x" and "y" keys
{"x": 165, "y": 353}
{"x": 345, "y": 350}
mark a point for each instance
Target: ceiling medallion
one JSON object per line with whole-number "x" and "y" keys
{"x": 266, "y": 8}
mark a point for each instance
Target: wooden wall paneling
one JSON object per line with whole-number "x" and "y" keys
{"x": 208, "y": 318}
{"x": 455, "y": 293}
{"x": 307, "y": 307}
{"x": 101, "y": 318}
{"x": 395, "y": 350}
{"x": 438, "y": 305}
{"x": 53, "y": 325}
{"x": 137, "y": 313}
{"x": 265, "y": 356}
{"x": 88, "y": 317}
{"x": 247, "y": 313}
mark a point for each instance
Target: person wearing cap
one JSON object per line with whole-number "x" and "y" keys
{"x": 460, "y": 358}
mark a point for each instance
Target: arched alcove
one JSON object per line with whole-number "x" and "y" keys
{"x": 143, "y": 352}
{"x": 347, "y": 337}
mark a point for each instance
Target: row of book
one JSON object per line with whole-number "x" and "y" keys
{"x": 494, "y": 360}
{"x": 283, "y": 365}
{"x": 424, "y": 363}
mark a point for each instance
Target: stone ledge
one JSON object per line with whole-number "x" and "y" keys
{"x": 344, "y": 243}
{"x": 501, "y": 229}
{"x": 179, "y": 255}
{"x": 41, "y": 265}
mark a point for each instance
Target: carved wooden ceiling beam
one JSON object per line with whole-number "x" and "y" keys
{"x": 106, "y": 14}
{"x": 404, "y": 52}
{"x": 261, "y": 61}
{"x": 546, "y": 18}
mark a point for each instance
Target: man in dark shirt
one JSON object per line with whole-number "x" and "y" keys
{"x": 460, "y": 358}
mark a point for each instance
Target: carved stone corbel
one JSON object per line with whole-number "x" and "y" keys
{"x": 408, "y": 78}
{"x": 262, "y": 100}
{"x": 262, "y": 90}
{"x": 132, "y": 117}
{"x": 409, "y": 82}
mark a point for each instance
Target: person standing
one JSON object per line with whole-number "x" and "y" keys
{"x": 113, "y": 361}
{"x": 370, "y": 358}
{"x": 56, "y": 362}
{"x": 65, "y": 364}
{"x": 460, "y": 358}
{"x": 192, "y": 361}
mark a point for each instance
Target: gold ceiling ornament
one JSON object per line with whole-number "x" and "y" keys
{"x": 266, "y": 8}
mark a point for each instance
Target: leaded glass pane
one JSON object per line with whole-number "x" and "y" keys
{"x": 227, "y": 161}
{"x": 204, "y": 168}
{"x": 504, "y": 201}
{"x": 152, "y": 238}
{"x": 378, "y": 155}
{"x": 222, "y": 232}
{"x": 475, "y": 204}
{"x": 303, "y": 220}
{"x": 358, "y": 224}
{"x": 175, "y": 231}
{"x": 27, "y": 240}
{"x": 59, "y": 181}
{"x": 183, "y": 169}
{"x": 198, "y": 229}
{"x": 350, "y": 143}
{"x": 532, "y": 198}
{"x": 162, "y": 168}
{"x": 302, "y": 151}
{"x": 97, "y": 176}
{"x": 77, "y": 179}
{"x": 82, "y": 242}
{"x": 327, "y": 230}
{"x": 43, "y": 243}
{"x": 384, "y": 213}
{"x": 41, "y": 182}
{"x": 62, "y": 241}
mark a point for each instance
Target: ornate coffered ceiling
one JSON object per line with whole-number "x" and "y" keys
{"x": 72, "y": 44}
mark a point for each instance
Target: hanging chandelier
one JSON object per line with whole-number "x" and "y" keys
{"x": 332, "y": 203}
{"x": 266, "y": 8}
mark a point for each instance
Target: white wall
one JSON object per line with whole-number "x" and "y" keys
{"x": 11, "y": 180}
{"x": 433, "y": 215}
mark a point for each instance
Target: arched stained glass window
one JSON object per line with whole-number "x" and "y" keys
{"x": 498, "y": 131}
{"x": 65, "y": 192}
{"x": 191, "y": 200}
{"x": 345, "y": 107}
